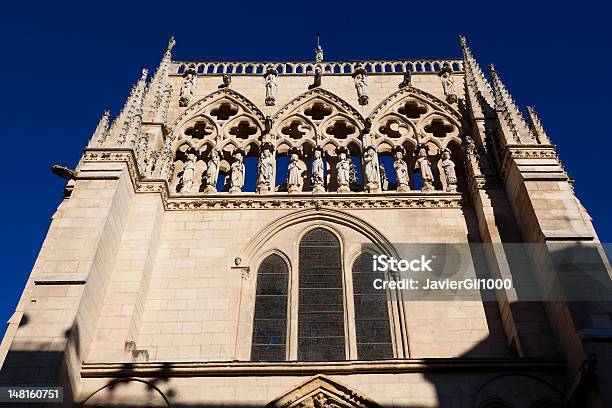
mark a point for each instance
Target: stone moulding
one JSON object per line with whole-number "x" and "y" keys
{"x": 224, "y": 201}
{"x": 206, "y": 369}
{"x": 513, "y": 152}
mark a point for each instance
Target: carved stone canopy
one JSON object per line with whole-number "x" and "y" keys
{"x": 322, "y": 392}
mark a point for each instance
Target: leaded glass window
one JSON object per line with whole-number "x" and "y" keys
{"x": 270, "y": 322}
{"x": 371, "y": 312}
{"x": 320, "y": 309}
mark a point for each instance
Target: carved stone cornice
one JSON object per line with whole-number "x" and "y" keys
{"x": 513, "y": 152}
{"x": 224, "y": 201}
{"x": 247, "y": 368}
{"x": 329, "y": 200}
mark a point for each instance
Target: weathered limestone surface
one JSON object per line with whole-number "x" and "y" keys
{"x": 144, "y": 290}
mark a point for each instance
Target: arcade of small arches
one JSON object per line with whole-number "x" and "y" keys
{"x": 317, "y": 143}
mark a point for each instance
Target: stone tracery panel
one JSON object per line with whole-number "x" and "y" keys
{"x": 224, "y": 120}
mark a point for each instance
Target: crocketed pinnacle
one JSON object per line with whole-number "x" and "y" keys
{"x": 157, "y": 96}
{"x": 510, "y": 117}
{"x": 478, "y": 90}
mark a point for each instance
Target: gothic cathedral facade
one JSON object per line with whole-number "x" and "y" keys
{"x": 207, "y": 250}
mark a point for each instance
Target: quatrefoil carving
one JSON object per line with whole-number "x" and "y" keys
{"x": 439, "y": 127}
{"x": 412, "y": 109}
{"x": 224, "y": 111}
{"x": 199, "y": 130}
{"x": 318, "y": 111}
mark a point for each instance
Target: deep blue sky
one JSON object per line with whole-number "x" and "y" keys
{"x": 63, "y": 64}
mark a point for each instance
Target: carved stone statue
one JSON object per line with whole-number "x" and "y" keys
{"x": 294, "y": 174}
{"x": 448, "y": 84}
{"x": 270, "y": 78}
{"x": 189, "y": 173}
{"x": 407, "y": 82}
{"x": 470, "y": 146}
{"x": 188, "y": 87}
{"x": 319, "y": 54}
{"x": 343, "y": 168}
{"x": 227, "y": 81}
{"x": 423, "y": 164}
{"x": 401, "y": 170}
{"x": 266, "y": 172}
{"x": 212, "y": 171}
{"x": 237, "y": 173}
{"x": 360, "y": 77}
{"x": 317, "y": 177}
{"x": 371, "y": 170}
{"x": 449, "y": 171}
{"x": 317, "y": 78}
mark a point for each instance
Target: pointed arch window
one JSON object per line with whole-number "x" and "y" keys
{"x": 270, "y": 322}
{"x": 372, "y": 325}
{"x": 321, "y": 307}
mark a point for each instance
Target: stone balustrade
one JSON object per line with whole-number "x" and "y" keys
{"x": 307, "y": 68}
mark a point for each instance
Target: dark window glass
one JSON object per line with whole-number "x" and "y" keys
{"x": 320, "y": 310}
{"x": 270, "y": 322}
{"x": 371, "y": 312}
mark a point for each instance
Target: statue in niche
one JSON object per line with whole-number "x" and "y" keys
{"x": 407, "y": 82}
{"x": 317, "y": 177}
{"x": 227, "y": 81}
{"x": 343, "y": 168}
{"x": 237, "y": 172}
{"x": 212, "y": 171}
{"x": 188, "y": 87}
{"x": 448, "y": 84}
{"x": 266, "y": 171}
{"x": 470, "y": 146}
{"x": 317, "y": 78}
{"x": 449, "y": 171}
{"x": 384, "y": 180}
{"x": 189, "y": 173}
{"x": 360, "y": 77}
{"x": 371, "y": 169}
{"x": 270, "y": 78}
{"x": 423, "y": 164}
{"x": 401, "y": 170}
{"x": 294, "y": 174}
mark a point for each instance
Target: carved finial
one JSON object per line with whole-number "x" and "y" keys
{"x": 171, "y": 43}
{"x": 145, "y": 72}
{"x": 318, "y": 50}
{"x": 462, "y": 40}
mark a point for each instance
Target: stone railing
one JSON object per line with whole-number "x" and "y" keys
{"x": 307, "y": 68}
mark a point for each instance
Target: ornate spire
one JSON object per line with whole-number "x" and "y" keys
{"x": 154, "y": 103}
{"x": 123, "y": 125}
{"x": 478, "y": 89}
{"x": 536, "y": 126}
{"x": 510, "y": 117}
{"x": 101, "y": 132}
